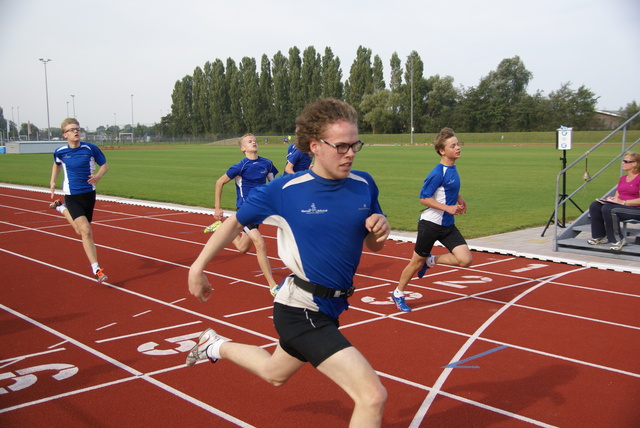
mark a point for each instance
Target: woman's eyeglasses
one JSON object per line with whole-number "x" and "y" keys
{"x": 627, "y": 161}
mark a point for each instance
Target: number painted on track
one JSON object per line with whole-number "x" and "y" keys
{"x": 184, "y": 344}
{"x": 388, "y": 301}
{"x": 529, "y": 267}
{"x": 468, "y": 279}
{"x": 26, "y": 377}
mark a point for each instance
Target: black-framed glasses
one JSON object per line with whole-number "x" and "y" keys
{"x": 343, "y": 148}
{"x": 73, "y": 130}
{"x": 627, "y": 161}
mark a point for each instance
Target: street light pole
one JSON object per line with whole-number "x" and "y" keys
{"x": 132, "y": 118}
{"x": 46, "y": 87}
{"x": 412, "y": 100}
{"x": 73, "y": 99}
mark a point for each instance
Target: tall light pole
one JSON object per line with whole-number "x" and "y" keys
{"x": 132, "y": 118}
{"x": 412, "y": 100}
{"x": 46, "y": 87}
{"x": 73, "y": 100}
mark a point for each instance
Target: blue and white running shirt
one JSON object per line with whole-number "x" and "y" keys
{"x": 321, "y": 230}
{"x": 443, "y": 185}
{"x": 301, "y": 161}
{"x": 78, "y": 165}
{"x": 249, "y": 174}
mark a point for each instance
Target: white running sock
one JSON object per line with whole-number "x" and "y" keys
{"x": 431, "y": 260}
{"x": 95, "y": 267}
{"x": 398, "y": 293}
{"x": 61, "y": 208}
{"x": 213, "y": 351}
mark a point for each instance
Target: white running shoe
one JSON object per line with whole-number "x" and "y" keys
{"x": 199, "y": 352}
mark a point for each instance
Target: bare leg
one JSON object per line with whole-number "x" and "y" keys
{"x": 460, "y": 256}
{"x": 410, "y": 270}
{"x": 274, "y": 368}
{"x": 83, "y": 225}
{"x": 352, "y": 372}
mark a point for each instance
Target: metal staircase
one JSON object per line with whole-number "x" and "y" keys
{"x": 573, "y": 238}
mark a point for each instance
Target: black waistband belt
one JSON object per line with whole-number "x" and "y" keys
{"x": 322, "y": 291}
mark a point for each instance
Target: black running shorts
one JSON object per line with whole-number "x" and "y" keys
{"x": 429, "y": 233}
{"x": 81, "y": 205}
{"x": 307, "y": 335}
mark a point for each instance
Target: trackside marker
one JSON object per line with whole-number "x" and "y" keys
{"x": 456, "y": 365}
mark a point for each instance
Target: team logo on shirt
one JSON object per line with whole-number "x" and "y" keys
{"x": 313, "y": 210}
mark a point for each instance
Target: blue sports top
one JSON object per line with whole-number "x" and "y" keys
{"x": 300, "y": 160}
{"x": 321, "y": 230}
{"x": 249, "y": 174}
{"x": 443, "y": 185}
{"x": 78, "y": 165}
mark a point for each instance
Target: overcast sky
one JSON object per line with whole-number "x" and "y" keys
{"x": 103, "y": 52}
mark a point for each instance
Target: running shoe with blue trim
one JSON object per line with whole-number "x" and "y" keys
{"x": 400, "y": 303}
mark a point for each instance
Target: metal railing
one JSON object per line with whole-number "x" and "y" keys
{"x": 561, "y": 201}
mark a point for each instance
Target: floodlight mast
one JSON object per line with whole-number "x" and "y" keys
{"x": 46, "y": 87}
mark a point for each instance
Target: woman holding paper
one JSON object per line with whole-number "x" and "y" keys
{"x": 606, "y": 214}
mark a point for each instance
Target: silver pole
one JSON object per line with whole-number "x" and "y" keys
{"x": 46, "y": 86}
{"x": 411, "y": 100}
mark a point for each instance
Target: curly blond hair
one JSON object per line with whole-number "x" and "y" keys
{"x": 317, "y": 116}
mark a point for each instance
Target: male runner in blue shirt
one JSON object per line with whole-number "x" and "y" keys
{"x": 324, "y": 216}
{"x": 251, "y": 172}
{"x": 79, "y": 160}
{"x": 440, "y": 193}
{"x": 297, "y": 161}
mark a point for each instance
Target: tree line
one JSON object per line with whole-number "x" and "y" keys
{"x": 229, "y": 98}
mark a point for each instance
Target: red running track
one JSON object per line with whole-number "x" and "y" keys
{"x": 508, "y": 342}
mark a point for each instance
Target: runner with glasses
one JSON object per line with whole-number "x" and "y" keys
{"x": 324, "y": 216}
{"x": 79, "y": 160}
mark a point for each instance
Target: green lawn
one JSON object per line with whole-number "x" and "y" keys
{"x": 507, "y": 186}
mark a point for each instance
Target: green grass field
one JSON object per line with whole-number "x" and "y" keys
{"x": 507, "y": 186}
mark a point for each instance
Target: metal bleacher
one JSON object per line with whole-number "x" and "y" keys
{"x": 573, "y": 237}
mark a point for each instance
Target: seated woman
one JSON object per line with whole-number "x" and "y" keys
{"x": 606, "y": 214}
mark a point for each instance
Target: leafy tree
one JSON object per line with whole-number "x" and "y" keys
{"x": 441, "y": 102}
{"x": 181, "y": 105}
{"x": 311, "y": 75}
{"x": 281, "y": 103}
{"x": 250, "y": 97}
{"x": 296, "y": 90}
{"x": 414, "y": 92}
{"x": 236, "y": 123}
{"x": 395, "y": 82}
{"x": 528, "y": 114}
{"x": 360, "y": 77}
{"x": 378, "y": 111}
{"x": 266, "y": 100}
{"x": 572, "y": 108}
{"x": 631, "y": 109}
{"x": 377, "y": 74}
{"x": 200, "y": 121}
{"x": 332, "y": 85}
{"x": 220, "y": 108}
